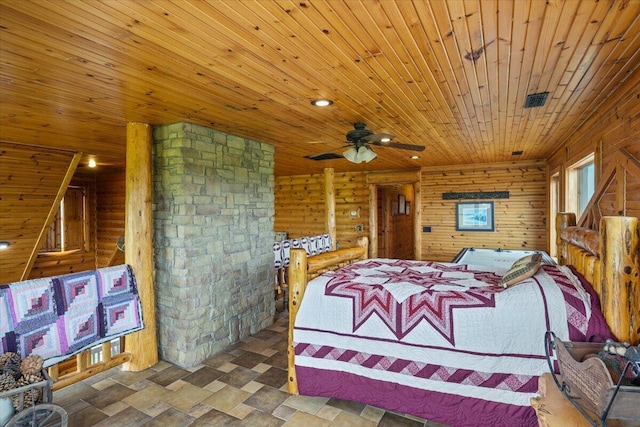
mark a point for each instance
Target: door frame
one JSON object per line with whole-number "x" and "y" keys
{"x": 374, "y": 179}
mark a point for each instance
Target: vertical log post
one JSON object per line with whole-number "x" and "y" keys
{"x": 563, "y": 219}
{"x": 106, "y": 352}
{"x": 54, "y": 371}
{"x": 363, "y": 242}
{"x": 373, "y": 220}
{"x": 83, "y": 361}
{"x": 143, "y": 345}
{"x": 297, "y": 286}
{"x": 417, "y": 221}
{"x": 619, "y": 244}
{"x": 330, "y": 205}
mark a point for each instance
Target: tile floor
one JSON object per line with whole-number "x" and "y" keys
{"x": 243, "y": 386}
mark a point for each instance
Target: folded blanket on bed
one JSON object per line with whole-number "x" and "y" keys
{"x": 57, "y": 317}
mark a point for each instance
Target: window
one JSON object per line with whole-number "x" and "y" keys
{"x": 586, "y": 182}
{"x": 67, "y": 230}
{"x": 580, "y": 185}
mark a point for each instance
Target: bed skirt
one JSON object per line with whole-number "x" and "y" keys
{"x": 452, "y": 410}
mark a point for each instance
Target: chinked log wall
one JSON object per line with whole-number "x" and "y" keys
{"x": 521, "y": 221}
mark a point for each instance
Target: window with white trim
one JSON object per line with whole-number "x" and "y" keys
{"x": 581, "y": 184}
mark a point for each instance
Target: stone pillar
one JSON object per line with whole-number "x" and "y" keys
{"x": 213, "y": 231}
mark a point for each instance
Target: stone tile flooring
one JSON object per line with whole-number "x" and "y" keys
{"x": 243, "y": 386}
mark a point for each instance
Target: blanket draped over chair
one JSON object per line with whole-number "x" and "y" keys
{"x": 57, "y": 317}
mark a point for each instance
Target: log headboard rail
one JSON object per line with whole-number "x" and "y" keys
{"x": 609, "y": 260}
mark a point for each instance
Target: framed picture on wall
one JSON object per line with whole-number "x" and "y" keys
{"x": 402, "y": 204}
{"x": 472, "y": 216}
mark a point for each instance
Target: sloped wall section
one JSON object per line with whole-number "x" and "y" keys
{"x": 614, "y": 136}
{"x": 30, "y": 178}
{"x": 213, "y": 237}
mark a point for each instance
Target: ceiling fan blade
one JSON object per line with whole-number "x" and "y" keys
{"x": 325, "y": 155}
{"x": 377, "y": 138}
{"x": 403, "y": 146}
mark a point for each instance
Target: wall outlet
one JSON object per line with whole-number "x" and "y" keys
{"x": 426, "y": 229}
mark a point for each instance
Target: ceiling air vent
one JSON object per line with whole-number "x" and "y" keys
{"x": 536, "y": 100}
{"x": 325, "y": 156}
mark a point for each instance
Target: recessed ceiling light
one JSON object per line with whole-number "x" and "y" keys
{"x": 414, "y": 157}
{"x": 4, "y": 244}
{"x": 92, "y": 163}
{"x": 385, "y": 139}
{"x": 321, "y": 102}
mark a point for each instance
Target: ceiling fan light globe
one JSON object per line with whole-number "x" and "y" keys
{"x": 352, "y": 155}
{"x": 359, "y": 154}
{"x": 367, "y": 154}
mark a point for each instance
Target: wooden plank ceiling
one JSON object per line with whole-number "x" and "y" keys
{"x": 448, "y": 74}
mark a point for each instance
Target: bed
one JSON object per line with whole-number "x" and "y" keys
{"x": 439, "y": 351}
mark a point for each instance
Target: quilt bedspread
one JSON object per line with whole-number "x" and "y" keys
{"x": 57, "y": 317}
{"x": 447, "y": 329}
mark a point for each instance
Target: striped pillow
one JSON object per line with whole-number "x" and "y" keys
{"x": 522, "y": 269}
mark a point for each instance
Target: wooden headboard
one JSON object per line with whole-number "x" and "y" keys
{"x": 609, "y": 259}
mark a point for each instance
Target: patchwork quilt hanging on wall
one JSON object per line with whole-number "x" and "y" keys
{"x": 57, "y": 317}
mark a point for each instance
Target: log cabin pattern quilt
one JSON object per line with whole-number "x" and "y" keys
{"x": 60, "y": 316}
{"x": 426, "y": 337}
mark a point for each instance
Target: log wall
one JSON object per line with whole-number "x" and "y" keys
{"x": 55, "y": 264}
{"x": 110, "y": 195}
{"x": 300, "y": 206}
{"x": 352, "y": 196}
{"x": 520, "y": 220}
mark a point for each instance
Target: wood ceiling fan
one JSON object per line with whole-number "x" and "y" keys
{"x": 358, "y": 141}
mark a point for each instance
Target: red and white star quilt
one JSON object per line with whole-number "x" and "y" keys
{"x": 442, "y": 329}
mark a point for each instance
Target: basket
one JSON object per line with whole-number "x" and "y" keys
{"x": 21, "y": 396}
{"x": 588, "y": 384}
